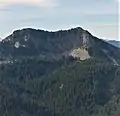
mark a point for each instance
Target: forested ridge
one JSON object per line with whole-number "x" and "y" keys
{"x": 62, "y": 73}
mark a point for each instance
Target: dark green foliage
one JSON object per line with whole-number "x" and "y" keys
{"x": 66, "y": 87}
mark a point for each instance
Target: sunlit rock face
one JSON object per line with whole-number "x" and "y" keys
{"x": 80, "y": 53}
{"x": 85, "y": 38}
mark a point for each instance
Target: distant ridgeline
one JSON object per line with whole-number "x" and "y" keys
{"x": 115, "y": 43}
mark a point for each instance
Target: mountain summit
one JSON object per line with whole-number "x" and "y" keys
{"x": 75, "y": 42}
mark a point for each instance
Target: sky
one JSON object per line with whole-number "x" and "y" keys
{"x": 99, "y": 17}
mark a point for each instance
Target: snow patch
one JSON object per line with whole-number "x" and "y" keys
{"x": 17, "y": 44}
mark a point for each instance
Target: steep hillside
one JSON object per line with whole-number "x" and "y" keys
{"x": 68, "y": 88}
{"x": 31, "y": 42}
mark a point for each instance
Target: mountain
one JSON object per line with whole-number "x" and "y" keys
{"x": 62, "y": 73}
{"x": 115, "y": 43}
{"x": 53, "y": 45}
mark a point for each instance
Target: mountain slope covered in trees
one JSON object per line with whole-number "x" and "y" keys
{"x": 90, "y": 87}
{"x": 40, "y": 77}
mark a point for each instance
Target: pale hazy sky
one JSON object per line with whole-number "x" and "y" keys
{"x": 100, "y": 17}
